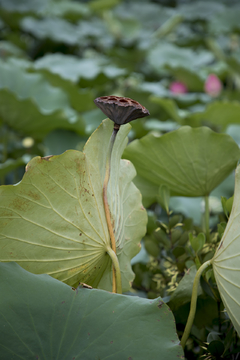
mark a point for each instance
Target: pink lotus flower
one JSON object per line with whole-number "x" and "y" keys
{"x": 213, "y": 85}
{"x": 177, "y": 87}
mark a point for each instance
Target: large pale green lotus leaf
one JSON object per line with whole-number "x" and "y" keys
{"x": 30, "y": 105}
{"x": 42, "y": 318}
{"x": 226, "y": 261}
{"x": 54, "y": 222}
{"x": 191, "y": 162}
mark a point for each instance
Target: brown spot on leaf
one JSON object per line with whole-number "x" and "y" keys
{"x": 33, "y": 195}
{"x": 20, "y": 204}
{"x": 160, "y": 304}
{"x": 47, "y": 157}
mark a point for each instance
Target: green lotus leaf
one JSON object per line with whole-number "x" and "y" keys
{"x": 190, "y": 161}
{"x": 71, "y": 10}
{"x": 226, "y": 261}
{"x": 198, "y": 10}
{"x": 30, "y": 105}
{"x": 166, "y": 54}
{"x": 54, "y": 222}
{"x": 219, "y": 113}
{"x": 26, "y": 6}
{"x": 72, "y": 68}
{"x": 72, "y": 89}
{"x": 42, "y": 318}
{"x": 55, "y": 28}
{"x": 170, "y": 106}
{"x": 225, "y": 21}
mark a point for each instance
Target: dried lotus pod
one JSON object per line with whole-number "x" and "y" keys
{"x": 121, "y": 110}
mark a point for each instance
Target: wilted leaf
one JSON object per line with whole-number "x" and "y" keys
{"x": 54, "y": 222}
{"x": 43, "y": 318}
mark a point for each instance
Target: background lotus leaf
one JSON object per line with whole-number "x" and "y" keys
{"x": 29, "y": 104}
{"x": 218, "y": 113}
{"x": 185, "y": 160}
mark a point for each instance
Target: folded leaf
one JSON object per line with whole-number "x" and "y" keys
{"x": 54, "y": 222}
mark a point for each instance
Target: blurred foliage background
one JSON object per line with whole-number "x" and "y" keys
{"x": 178, "y": 58}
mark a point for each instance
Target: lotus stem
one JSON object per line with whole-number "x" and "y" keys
{"x": 117, "y": 271}
{"x": 115, "y": 286}
{"x": 193, "y": 302}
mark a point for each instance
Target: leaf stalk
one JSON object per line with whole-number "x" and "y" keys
{"x": 193, "y": 302}
{"x": 117, "y": 271}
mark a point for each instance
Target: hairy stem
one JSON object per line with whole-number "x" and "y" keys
{"x": 106, "y": 206}
{"x": 206, "y": 198}
{"x": 117, "y": 271}
{"x": 193, "y": 302}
